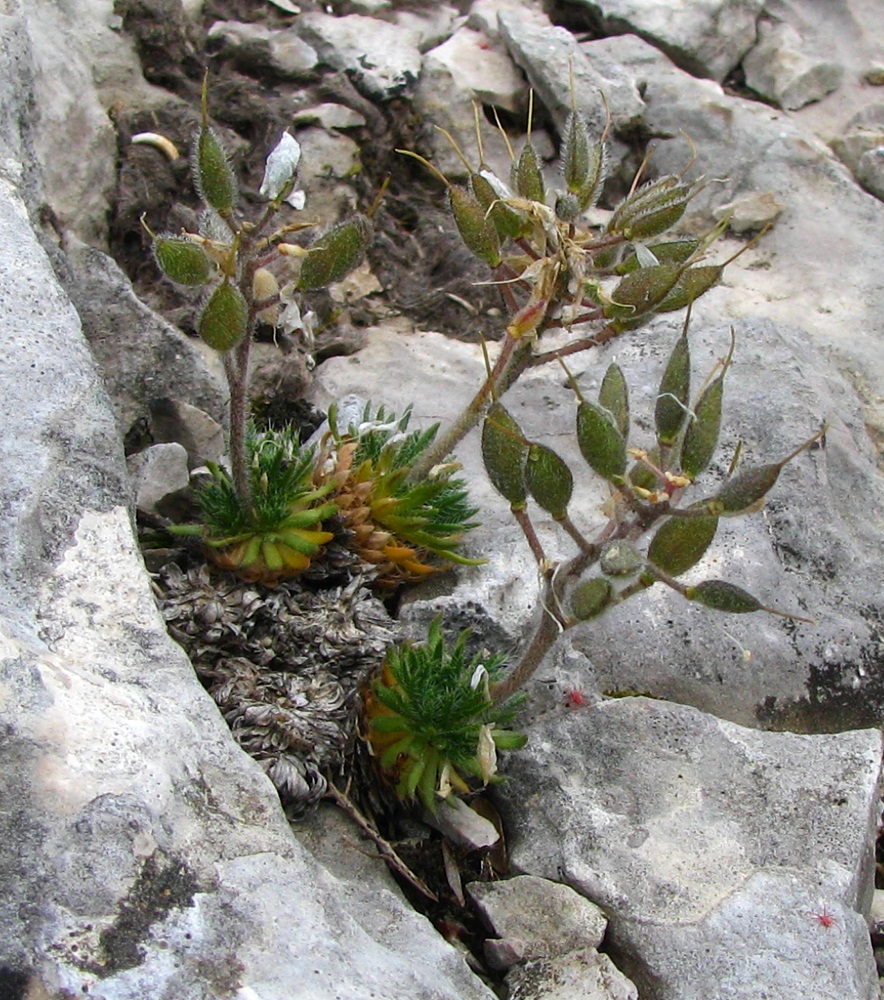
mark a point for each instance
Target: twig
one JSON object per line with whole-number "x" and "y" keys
{"x": 385, "y": 849}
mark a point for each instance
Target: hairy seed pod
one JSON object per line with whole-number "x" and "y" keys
{"x": 224, "y": 320}
{"x": 650, "y": 210}
{"x": 655, "y": 221}
{"x": 670, "y": 409}
{"x": 667, "y": 252}
{"x": 601, "y": 444}
{"x": 549, "y": 480}
{"x": 504, "y": 453}
{"x": 576, "y": 160}
{"x": 619, "y": 558}
{"x": 215, "y": 182}
{"x": 745, "y": 490}
{"x": 508, "y": 222}
{"x": 590, "y": 598}
{"x": 526, "y": 176}
{"x": 182, "y": 261}
{"x": 607, "y": 258}
{"x": 641, "y": 290}
{"x": 477, "y": 231}
{"x": 614, "y": 397}
{"x": 701, "y": 436}
{"x": 335, "y": 254}
{"x": 723, "y": 596}
{"x": 681, "y": 542}
{"x": 693, "y": 283}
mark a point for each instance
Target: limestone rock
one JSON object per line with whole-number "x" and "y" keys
{"x": 143, "y": 358}
{"x": 707, "y": 37}
{"x": 433, "y": 22}
{"x": 548, "y": 55}
{"x": 704, "y": 843}
{"x": 156, "y": 472}
{"x": 751, "y": 212}
{"x": 779, "y": 69}
{"x": 100, "y": 70}
{"x": 259, "y": 47}
{"x": 383, "y": 59}
{"x": 586, "y": 975}
{"x": 202, "y": 438}
{"x": 329, "y": 116}
{"x": 860, "y": 148}
{"x": 466, "y": 68}
{"x": 543, "y": 919}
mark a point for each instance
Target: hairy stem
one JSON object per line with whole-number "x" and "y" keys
{"x": 236, "y": 367}
{"x": 544, "y": 637}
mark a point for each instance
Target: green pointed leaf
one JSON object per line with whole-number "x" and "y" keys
{"x": 614, "y": 397}
{"x": 670, "y": 410}
{"x": 591, "y": 598}
{"x": 549, "y": 480}
{"x": 723, "y": 596}
{"x": 681, "y": 543}
{"x": 601, "y": 443}
{"x": 745, "y": 490}
{"x": 504, "y": 453}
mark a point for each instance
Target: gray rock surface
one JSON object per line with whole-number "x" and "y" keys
{"x": 541, "y": 918}
{"x": 143, "y": 359}
{"x": 779, "y": 69}
{"x": 861, "y": 148}
{"x": 157, "y": 472}
{"x": 713, "y": 849}
{"x": 384, "y": 59}
{"x": 707, "y": 37}
{"x": 255, "y": 45}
